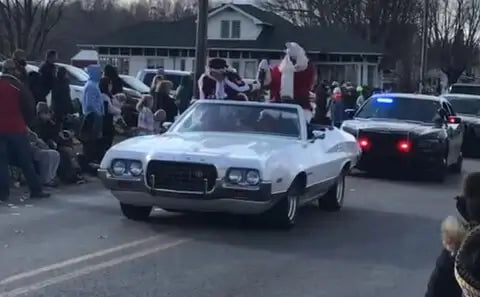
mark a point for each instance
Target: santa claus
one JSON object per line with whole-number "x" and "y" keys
{"x": 291, "y": 80}
{"x": 221, "y": 82}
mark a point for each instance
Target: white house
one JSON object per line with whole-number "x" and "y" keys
{"x": 243, "y": 34}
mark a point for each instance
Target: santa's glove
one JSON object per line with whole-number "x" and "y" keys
{"x": 264, "y": 65}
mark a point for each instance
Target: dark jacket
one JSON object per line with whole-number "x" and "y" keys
{"x": 442, "y": 281}
{"x": 91, "y": 128}
{"x": 47, "y": 71}
{"x": 165, "y": 102}
{"x": 61, "y": 99}
{"x": 117, "y": 83}
{"x": 185, "y": 93}
{"x": 321, "y": 99}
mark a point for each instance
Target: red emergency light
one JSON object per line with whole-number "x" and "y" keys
{"x": 404, "y": 146}
{"x": 364, "y": 143}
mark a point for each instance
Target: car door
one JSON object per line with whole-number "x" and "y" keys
{"x": 455, "y": 135}
{"x": 324, "y": 159}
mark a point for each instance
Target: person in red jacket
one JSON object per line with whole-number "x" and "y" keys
{"x": 15, "y": 112}
{"x": 291, "y": 80}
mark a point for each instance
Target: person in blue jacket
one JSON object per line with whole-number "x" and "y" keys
{"x": 93, "y": 112}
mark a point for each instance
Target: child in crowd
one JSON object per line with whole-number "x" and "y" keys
{"x": 45, "y": 159}
{"x": 62, "y": 141}
{"x": 145, "y": 116}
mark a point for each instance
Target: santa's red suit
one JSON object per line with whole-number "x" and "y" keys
{"x": 219, "y": 82}
{"x": 293, "y": 78}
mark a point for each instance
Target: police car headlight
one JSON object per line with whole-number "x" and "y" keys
{"x": 135, "y": 168}
{"x": 119, "y": 167}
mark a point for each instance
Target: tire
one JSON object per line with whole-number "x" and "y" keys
{"x": 333, "y": 199}
{"x": 457, "y": 167}
{"x": 284, "y": 214}
{"x": 136, "y": 213}
{"x": 440, "y": 174}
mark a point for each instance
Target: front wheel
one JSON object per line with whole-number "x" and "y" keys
{"x": 333, "y": 199}
{"x": 136, "y": 213}
{"x": 284, "y": 213}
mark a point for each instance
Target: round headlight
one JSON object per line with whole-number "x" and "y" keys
{"x": 135, "y": 168}
{"x": 235, "y": 176}
{"x": 252, "y": 178}
{"x": 118, "y": 167}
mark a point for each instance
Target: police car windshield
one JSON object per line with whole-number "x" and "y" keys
{"x": 400, "y": 108}
{"x": 469, "y": 106}
{"x": 238, "y": 118}
{"x": 465, "y": 89}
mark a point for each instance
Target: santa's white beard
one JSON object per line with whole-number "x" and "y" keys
{"x": 308, "y": 115}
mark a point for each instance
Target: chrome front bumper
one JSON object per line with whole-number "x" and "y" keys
{"x": 221, "y": 199}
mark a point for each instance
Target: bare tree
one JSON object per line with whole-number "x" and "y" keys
{"x": 392, "y": 24}
{"x": 454, "y": 36}
{"x": 26, "y": 24}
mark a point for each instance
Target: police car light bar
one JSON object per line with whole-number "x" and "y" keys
{"x": 384, "y": 100}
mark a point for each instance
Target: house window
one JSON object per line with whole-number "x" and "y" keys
{"x": 235, "y": 29}
{"x": 225, "y": 29}
{"x": 182, "y": 64}
{"x": 155, "y": 63}
{"x": 122, "y": 64}
{"x": 250, "y": 69}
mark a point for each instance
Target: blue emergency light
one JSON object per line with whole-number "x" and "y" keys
{"x": 384, "y": 100}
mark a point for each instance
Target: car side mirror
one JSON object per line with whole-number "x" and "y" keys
{"x": 439, "y": 121}
{"x": 350, "y": 112}
{"x": 442, "y": 113}
{"x": 454, "y": 120}
{"x": 317, "y": 134}
{"x": 167, "y": 125}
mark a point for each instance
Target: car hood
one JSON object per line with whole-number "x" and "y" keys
{"x": 385, "y": 126}
{"x": 232, "y": 146}
{"x": 470, "y": 119}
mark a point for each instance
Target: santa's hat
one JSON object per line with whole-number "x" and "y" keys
{"x": 217, "y": 65}
{"x": 294, "y": 50}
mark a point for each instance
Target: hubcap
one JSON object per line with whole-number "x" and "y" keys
{"x": 340, "y": 189}
{"x": 292, "y": 207}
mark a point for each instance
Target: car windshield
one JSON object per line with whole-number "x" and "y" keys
{"x": 133, "y": 83}
{"x": 465, "y": 105}
{"x": 465, "y": 89}
{"x": 235, "y": 118}
{"x": 400, "y": 108}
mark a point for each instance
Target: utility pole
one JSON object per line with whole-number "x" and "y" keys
{"x": 423, "y": 58}
{"x": 201, "y": 41}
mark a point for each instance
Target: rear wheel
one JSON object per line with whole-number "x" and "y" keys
{"x": 333, "y": 199}
{"x": 457, "y": 167}
{"x": 136, "y": 213}
{"x": 284, "y": 213}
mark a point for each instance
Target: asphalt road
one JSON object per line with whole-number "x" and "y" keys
{"x": 383, "y": 243}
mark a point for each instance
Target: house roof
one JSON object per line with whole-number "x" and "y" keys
{"x": 86, "y": 55}
{"x": 276, "y": 32}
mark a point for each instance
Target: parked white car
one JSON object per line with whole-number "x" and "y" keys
{"x": 233, "y": 157}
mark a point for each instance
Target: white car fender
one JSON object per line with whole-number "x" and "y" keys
{"x": 282, "y": 170}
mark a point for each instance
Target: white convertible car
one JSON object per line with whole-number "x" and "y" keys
{"x": 233, "y": 157}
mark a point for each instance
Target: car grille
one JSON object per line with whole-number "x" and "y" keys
{"x": 181, "y": 176}
{"x": 382, "y": 143}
